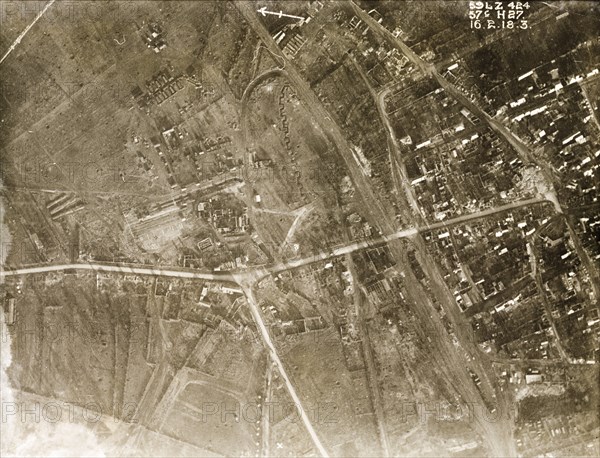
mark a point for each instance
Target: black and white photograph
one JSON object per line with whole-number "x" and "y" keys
{"x": 300, "y": 228}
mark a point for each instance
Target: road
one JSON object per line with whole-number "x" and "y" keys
{"x": 373, "y": 205}
{"x": 499, "y": 436}
{"x": 300, "y": 214}
{"x": 400, "y": 234}
{"x": 591, "y": 266}
{"x": 526, "y": 155}
{"x": 245, "y": 279}
{"x": 255, "y": 310}
{"x": 404, "y": 191}
{"x": 266, "y": 418}
{"x": 537, "y": 275}
{"x": 122, "y": 269}
{"x": 396, "y": 156}
{"x": 430, "y": 70}
{"x": 374, "y": 208}
{"x": 24, "y": 32}
{"x": 259, "y": 273}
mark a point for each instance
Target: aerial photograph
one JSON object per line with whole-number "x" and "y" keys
{"x": 300, "y": 228}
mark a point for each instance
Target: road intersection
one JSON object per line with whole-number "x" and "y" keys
{"x": 253, "y": 275}
{"x": 244, "y": 281}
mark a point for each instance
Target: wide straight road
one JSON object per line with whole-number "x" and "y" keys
{"x": 255, "y": 310}
{"x": 403, "y": 233}
{"x": 122, "y": 269}
{"x": 499, "y": 436}
{"x": 522, "y": 149}
{"x": 258, "y": 273}
{"x": 24, "y": 32}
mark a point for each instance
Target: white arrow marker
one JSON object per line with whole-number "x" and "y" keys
{"x": 281, "y": 14}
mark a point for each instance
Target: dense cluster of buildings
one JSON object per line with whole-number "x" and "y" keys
{"x": 551, "y": 108}
{"x": 455, "y": 163}
{"x": 226, "y": 217}
{"x": 153, "y": 37}
{"x": 159, "y": 88}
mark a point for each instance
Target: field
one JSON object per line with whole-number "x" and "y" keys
{"x": 316, "y": 368}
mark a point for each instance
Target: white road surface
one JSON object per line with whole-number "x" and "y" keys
{"x": 97, "y": 267}
{"x": 24, "y": 32}
{"x": 275, "y": 357}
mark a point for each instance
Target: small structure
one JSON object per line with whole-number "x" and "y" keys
{"x": 534, "y": 376}
{"x": 10, "y": 310}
